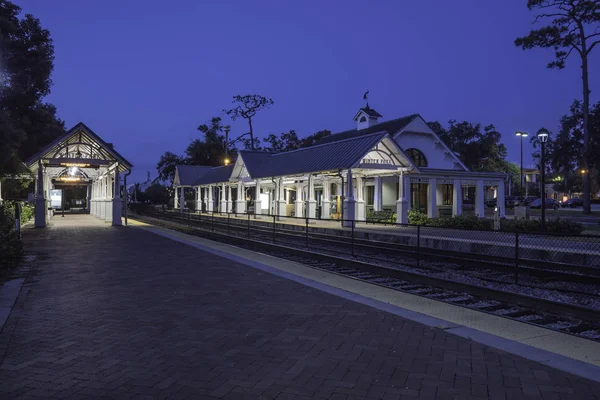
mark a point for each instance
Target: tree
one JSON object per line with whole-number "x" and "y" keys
{"x": 311, "y": 140}
{"x": 247, "y": 107}
{"x": 26, "y": 64}
{"x": 157, "y": 194}
{"x": 286, "y": 141}
{"x": 574, "y": 26}
{"x": 563, "y": 150}
{"x": 210, "y": 150}
{"x": 479, "y": 150}
{"x": 166, "y": 166}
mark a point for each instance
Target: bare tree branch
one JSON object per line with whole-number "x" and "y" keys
{"x": 592, "y": 45}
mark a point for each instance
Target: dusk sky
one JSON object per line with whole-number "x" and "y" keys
{"x": 145, "y": 74}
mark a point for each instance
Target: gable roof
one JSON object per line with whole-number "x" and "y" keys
{"x": 215, "y": 175}
{"x": 390, "y": 127}
{"x": 341, "y": 154}
{"x": 80, "y": 127}
{"x": 187, "y": 175}
{"x": 254, "y": 159}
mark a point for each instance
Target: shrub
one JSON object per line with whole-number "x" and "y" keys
{"x": 566, "y": 227}
{"x": 26, "y": 212}
{"x": 416, "y": 217}
{"x": 11, "y": 246}
{"x": 466, "y": 222}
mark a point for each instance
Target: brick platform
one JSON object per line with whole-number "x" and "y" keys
{"x": 123, "y": 313}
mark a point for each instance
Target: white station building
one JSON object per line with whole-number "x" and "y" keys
{"x": 391, "y": 166}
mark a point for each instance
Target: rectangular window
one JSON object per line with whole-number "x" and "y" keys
{"x": 447, "y": 194}
{"x": 418, "y": 197}
{"x": 370, "y": 195}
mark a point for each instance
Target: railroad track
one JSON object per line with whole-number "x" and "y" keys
{"x": 409, "y": 254}
{"x": 567, "y": 318}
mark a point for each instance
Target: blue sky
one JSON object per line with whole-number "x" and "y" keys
{"x": 145, "y": 74}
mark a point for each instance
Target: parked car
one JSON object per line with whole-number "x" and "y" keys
{"x": 572, "y": 203}
{"x": 550, "y": 203}
{"x": 509, "y": 202}
{"x": 529, "y": 199}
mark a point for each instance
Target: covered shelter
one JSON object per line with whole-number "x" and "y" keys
{"x": 81, "y": 163}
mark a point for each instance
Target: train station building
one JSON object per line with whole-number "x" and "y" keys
{"x": 391, "y": 166}
{"x": 79, "y": 172}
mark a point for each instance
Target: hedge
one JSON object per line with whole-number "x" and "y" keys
{"x": 11, "y": 246}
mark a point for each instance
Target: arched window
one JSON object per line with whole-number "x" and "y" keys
{"x": 417, "y": 157}
{"x": 363, "y": 119}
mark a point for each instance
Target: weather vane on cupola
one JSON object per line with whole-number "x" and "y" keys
{"x": 366, "y": 97}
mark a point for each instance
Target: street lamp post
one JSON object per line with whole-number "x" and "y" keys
{"x": 521, "y": 135}
{"x": 542, "y": 136}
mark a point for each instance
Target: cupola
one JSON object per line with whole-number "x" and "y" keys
{"x": 366, "y": 117}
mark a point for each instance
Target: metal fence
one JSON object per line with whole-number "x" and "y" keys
{"x": 419, "y": 246}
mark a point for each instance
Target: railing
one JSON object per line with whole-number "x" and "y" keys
{"x": 410, "y": 244}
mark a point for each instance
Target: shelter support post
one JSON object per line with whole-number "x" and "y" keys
{"x": 299, "y": 205}
{"x": 280, "y": 199}
{"x": 40, "y": 201}
{"x": 240, "y": 206}
{"x": 432, "y": 199}
{"x": 223, "y": 205}
{"x": 361, "y": 209}
{"x": 402, "y": 204}
{"x": 117, "y": 204}
{"x": 176, "y": 199}
{"x": 500, "y": 202}
{"x": 326, "y": 204}
{"x": 457, "y": 198}
{"x": 479, "y": 200}
{"x": 181, "y": 198}
{"x": 349, "y": 202}
{"x": 257, "y": 200}
{"x": 311, "y": 205}
{"x": 210, "y": 204}
{"x": 377, "y": 194}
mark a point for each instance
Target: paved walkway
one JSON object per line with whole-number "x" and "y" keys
{"x": 124, "y": 313}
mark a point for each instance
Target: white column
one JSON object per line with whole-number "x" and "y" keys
{"x": 280, "y": 199}
{"x": 117, "y": 205}
{"x": 181, "y": 198}
{"x": 432, "y": 199}
{"x": 102, "y": 209}
{"x": 229, "y": 199}
{"x": 198, "y": 199}
{"x": 402, "y": 204}
{"x": 299, "y": 203}
{"x": 457, "y": 198}
{"x": 241, "y": 199}
{"x": 89, "y": 198}
{"x": 361, "y": 209}
{"x": 326, "y": 204}
{"x": 176, "y": 200}
{"x": 205, "y": 197}
{"x": 311, "y": 205}
{"x": 257, "y": 200}
{"x": 479, "y": 200}
{"x": 223, "y": 207}
{"x": 378, "y": 191}
{"x": 1, "y": 193}
{"x": 109, "y": 197}
{"x": 500, "y": 200}
{"x": 210, "y": 203}
{"x": 40, "y": 201}
{"x": 349, "y": 202}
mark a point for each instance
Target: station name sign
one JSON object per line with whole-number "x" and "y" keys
{"x": 377, "y": 162}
